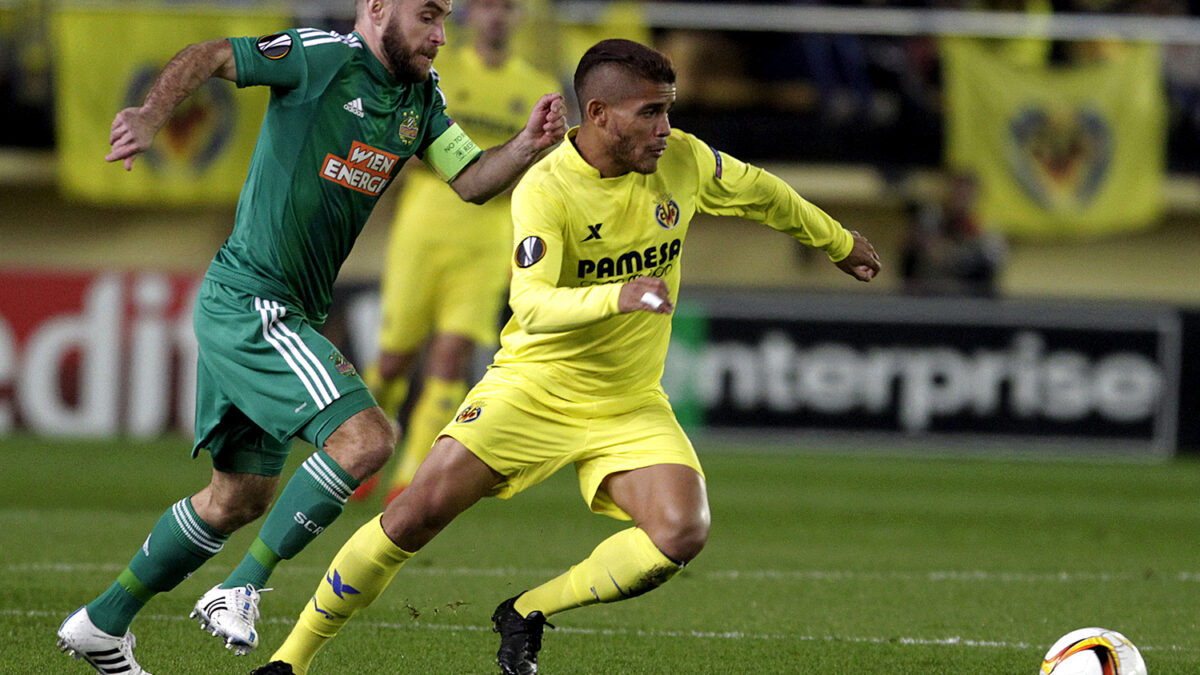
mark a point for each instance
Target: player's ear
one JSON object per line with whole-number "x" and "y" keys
{"x": 597, "y": 112}
{"x": 375, "y": 10}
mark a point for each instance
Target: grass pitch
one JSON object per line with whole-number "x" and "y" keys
{"x": 817, "y": 563}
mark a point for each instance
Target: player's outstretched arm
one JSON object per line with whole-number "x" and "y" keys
{"x": 863, "y": 262}
{"x": 498, "y": 168}
{"x": 133, "y": 129}
{"x": 645, "y": 293}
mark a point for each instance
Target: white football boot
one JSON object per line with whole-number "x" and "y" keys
{"x": 80, "y": 638}
{"x": 230, "y": 613}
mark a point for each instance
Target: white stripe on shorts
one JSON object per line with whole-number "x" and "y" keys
{"x": 324, "y": 374}
{"x": 270, "y": 315}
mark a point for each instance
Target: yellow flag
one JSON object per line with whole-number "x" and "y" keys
{"x": 1058, "y": 151}
{"x": 107, "y": 60}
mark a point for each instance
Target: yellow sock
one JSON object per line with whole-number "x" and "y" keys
{"x": 358, "y": 574}
{"x": 389, "y": 394}
{"x": 433, "y": 411}
{"x": 623, "y": 566}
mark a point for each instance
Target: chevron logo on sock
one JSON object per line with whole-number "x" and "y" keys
{"x": 318, "y": 608}
{"x": 339, "y": 587}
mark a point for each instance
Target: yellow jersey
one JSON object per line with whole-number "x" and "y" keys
{"x": 579, "y": 237}
{"x": 492, "y": 105}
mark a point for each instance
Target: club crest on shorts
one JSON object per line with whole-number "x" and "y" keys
{"x": 342, "y": 364}
{"x": 666, "y": 212}
{"x": 530, "y": 250}
{"x": 470, "y": 413}
{"x": 275, "y": 46}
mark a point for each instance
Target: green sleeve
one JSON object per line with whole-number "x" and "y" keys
{"x": 275, "y": 60}
{"x": 446, "y": 148}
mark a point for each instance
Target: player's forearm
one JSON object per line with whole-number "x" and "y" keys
{"x": 184, "y": 74}
{"x": 540, "y": 308}
{"x": 786, "y": 211}
{"x": 496, "y": 170}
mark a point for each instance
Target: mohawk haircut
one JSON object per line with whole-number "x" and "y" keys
{"x": 632, "y": 57}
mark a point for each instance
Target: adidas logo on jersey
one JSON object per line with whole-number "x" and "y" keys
{"x": 355, "y": 107}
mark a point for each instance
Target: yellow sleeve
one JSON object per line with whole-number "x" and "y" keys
{"x": 731, "y": 187}
{"x": 539, "y": 304}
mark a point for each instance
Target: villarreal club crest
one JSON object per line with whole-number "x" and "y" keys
{"x": 666, "y": 212}
{"x": 469, "y": 413}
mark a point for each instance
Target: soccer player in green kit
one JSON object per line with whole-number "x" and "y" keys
{"x": 345, "y": 112}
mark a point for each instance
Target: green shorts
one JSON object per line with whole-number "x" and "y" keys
{"x": 264, "y": 376}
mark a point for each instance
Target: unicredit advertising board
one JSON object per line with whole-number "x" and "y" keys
{"x": 96, "y": 354}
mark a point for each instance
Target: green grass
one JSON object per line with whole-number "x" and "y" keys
{"x": 817, "y": 563}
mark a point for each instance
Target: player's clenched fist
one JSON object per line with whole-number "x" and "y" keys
{"x": 648, "y": 293}
{"x": 547, "y": 122}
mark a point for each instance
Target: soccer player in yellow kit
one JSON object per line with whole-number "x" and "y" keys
{"x": 599, "y": 226}
{"x": 447, "y": 263}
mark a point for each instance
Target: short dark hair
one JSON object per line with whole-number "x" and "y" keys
{"x": 635, "y": 58}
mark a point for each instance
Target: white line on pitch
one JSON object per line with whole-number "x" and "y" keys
{"x": 953, "y": 641}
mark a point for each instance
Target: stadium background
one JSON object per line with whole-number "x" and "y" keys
{"x": 95, "y": 277}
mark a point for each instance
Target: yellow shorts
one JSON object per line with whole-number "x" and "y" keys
{"x": 441, "y": 287}
{"x": 526, "y": 434}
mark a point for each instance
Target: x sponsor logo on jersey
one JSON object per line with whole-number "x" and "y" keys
{"x": 593, "y": 232}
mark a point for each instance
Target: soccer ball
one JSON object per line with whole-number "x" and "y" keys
{"x": 1093, "y": 651}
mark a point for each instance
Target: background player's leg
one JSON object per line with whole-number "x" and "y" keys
{"x": 388, "y": 380}
{"x": 449, "y": 482}
{"x": 442, "y": 390}
{"x": 669, "y": 507}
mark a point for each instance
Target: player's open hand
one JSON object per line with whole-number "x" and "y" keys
{"x": 547, "y": 123}
{"x": 646, "y": 293}
{"x": 863, "y": 262}
{"x": 132, "y": 133}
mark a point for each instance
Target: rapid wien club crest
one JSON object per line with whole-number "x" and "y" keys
{"x": 410, "y": 126}
{"x": 666, "y": 212}
{"x": 342, "y": 364}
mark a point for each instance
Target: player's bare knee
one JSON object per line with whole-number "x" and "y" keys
{"x": 363, "y": 445}
{"x": 378, "y": 448}
{"x": 681, "y": 538}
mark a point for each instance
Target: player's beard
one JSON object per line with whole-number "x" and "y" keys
{"x": 626, "y": 151}
{"x": 402, "y": 60}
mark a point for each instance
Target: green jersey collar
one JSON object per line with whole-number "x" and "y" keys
{"x": 375, "y": 66}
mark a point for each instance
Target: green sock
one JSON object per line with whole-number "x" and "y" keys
{"x": 255, "y": 568}
{"x": 177, "y": 546}
{"x": 309, "y": 503}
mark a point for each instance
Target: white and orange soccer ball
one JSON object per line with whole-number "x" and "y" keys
{"x": 1093, "y": 651}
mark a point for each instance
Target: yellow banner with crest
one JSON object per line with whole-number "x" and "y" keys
{"x": 1058, "y": 151}
{"x": 108, "y": 56}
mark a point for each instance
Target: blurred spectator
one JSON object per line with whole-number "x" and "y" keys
{"x": 27, "y": 117}
{"x": 945, "y": 250}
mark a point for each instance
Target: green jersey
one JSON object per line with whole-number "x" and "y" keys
{"x": 337, "y": 130}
